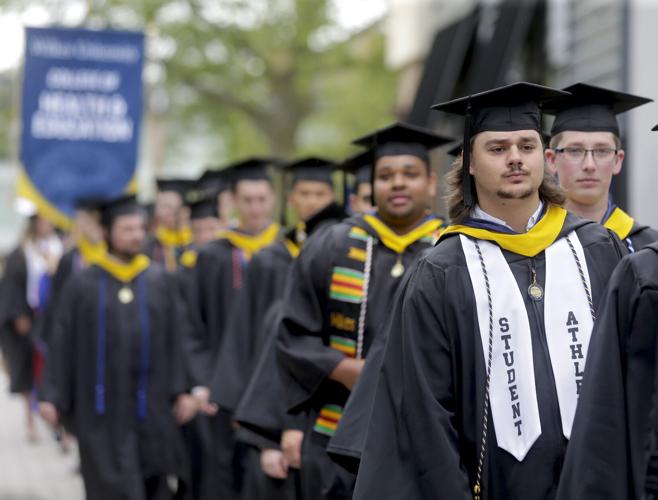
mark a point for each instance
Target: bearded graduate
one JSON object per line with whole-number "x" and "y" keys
{"x": 489, "y": 334}
{"x": 218, "y": 277}
{"x": 118, "y": 366}
{"x": 614, "y": 450}
{"x": 339, "y": 289}
{"x": 586, "y": 154}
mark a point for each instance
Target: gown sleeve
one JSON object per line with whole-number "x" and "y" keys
{"x": 304, "y": 358}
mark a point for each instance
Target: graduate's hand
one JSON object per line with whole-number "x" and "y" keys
{"x": 23, "y": 325}
{"x": 185, "y": 408}
{"x": 274, "y": 464}
{"x": 347, "y": 372}
{"x": 49, "y": 413}
{"x": 202, "y": 395}
{"x": 291, "y": 445}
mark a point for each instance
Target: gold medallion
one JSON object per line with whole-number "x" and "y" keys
{"x": 536, "y": 292}
{"x": 125, "y": 295}
{"x": 398, "y": 269}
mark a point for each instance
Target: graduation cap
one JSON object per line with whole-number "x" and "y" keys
{"x": 205, "y": 207}
{"x": 89, "y": 204}
{"x": 116, "y": 207}
{"x": 214, "y": 181}
{"x": 360, "y": 165}
{"x": 590, "y": 109}
{"x": 180, "y": 186}
{"x": 503, "y": 109}
{"x": 655, "y": 128}
{"x": 250, "y": 169}
{"x": 312, "y": 168}
{"x": 402, "y": 139}
{"x": 455, "y": 150}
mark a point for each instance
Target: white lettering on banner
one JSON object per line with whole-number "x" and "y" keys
{"x": 83, "y": 50}
{"x": 84, "y": 79}
{"x": 82, "y": 117}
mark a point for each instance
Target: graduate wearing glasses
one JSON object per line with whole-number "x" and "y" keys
{"x": 586, "y": 153}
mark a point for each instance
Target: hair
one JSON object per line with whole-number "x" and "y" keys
{"x": 555, "y": 140}
{"x": 549, "y": 191}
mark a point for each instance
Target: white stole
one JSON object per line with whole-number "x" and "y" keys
{"x": 568, "y": 324}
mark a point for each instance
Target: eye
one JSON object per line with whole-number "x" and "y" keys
{"x": 497, "y": 149}
{"x": 528, "y": 147}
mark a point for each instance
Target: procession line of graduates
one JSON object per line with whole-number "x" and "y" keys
{"x": 370, "y": 351}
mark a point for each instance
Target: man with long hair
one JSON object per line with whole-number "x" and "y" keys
{"x": 489, "y": 333}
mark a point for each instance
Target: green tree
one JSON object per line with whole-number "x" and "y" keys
{"x": 242, "y": 77}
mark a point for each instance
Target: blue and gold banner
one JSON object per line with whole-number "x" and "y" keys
{"x": 81, "y": 114}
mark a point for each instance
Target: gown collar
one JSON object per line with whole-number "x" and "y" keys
{"x": 122, "y": 271}
{"x": 427, "y": 229}
{"x": 542, "y": 235}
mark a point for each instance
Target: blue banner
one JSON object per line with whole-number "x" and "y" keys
{"x": 81, "y": 114}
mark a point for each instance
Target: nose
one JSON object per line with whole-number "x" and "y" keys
{"x": 514, "y": 157}
{"x": 588, "y": 161}
{"x": 398, "y": 180}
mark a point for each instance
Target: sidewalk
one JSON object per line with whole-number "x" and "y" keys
{"x": 32, "y": 471}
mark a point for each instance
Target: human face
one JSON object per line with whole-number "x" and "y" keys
{"x": 254, "y": 201}
{"x": 361, "y": 201}
{"x": 309, "y": 197}
{"x": 507, "y": 165}
{"x": 205, "y": 229}
{"x": 43, "y": 228}
{"x": 168, "y": 205}
{"x": 585, "y": 182}
{"x": 403, "y": 188}
{"x": 127, "y": 235}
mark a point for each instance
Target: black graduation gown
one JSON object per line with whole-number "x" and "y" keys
{"x": 424, "y": 435}
{"x": 17, "y": 349}
{"x": 219, "y": 275}
{"x": 304, "y": 353}
{"x": 615, "y": 428}
{"x": 264, "y": 280}
{"x": 119, "y": 451}
{"x": 642, "y": 236}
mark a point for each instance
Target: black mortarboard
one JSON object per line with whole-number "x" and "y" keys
{"x": 205, "y": 207}
{"x": 504, "y": 109}
{"x": 655, "y": 128}
{"x": 590, "y": 109}
{"x": 125, "y": 205}
{"x": 250, "y": 169}
{"x": 360, "y": 165}
{"x": 180, "y": 186}
{"x": 214, "y": 181}
{"x": 402, "y": 139}
{"x": 312, "y": 168}
{"x": 455, "y": 150}
{"x": 89, "y": 204}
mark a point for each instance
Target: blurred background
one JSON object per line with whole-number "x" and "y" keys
{"x": 226, "y": 79}
{"x": 229, "y": 78}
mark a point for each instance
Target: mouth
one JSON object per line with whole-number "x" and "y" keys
{"x": 399, "y": 200}
{"x": 587, "y": 181}
{"x": 516, "y": 176}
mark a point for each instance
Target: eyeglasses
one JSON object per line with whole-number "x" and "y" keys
{"x": 577, "y": 155}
